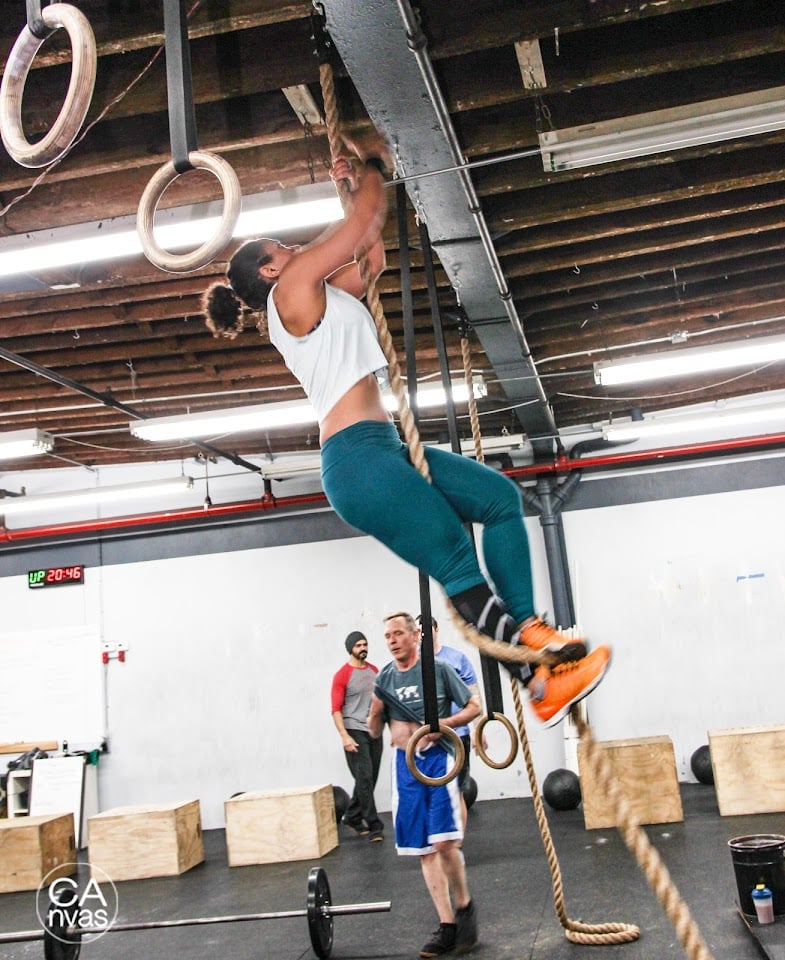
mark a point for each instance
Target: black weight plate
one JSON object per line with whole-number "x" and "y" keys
{"x": 61, "y": 944}
{"x": 320, "y": 922}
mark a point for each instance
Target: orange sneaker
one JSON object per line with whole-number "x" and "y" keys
{"x": 539, "y": 636}
{"x": 554, "y": 691}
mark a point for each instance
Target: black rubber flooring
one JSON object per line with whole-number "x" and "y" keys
{"x": 508, "y": 875}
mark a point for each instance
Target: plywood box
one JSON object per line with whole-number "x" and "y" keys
{"x": 152, "y": 840}
{"x": 36, "y": 848}
{"x": 280, "y": 825}
{"x": 749, "y": 774}
{"x": 645, "y": 771}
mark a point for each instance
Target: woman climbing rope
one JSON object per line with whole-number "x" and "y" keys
{"x": 327, "y": 339}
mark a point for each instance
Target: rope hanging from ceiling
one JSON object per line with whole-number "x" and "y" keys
{"x": 636, "y": 840}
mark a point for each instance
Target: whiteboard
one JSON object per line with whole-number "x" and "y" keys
{"x": 51, "y": 686}
{"x": 57, "y": 786}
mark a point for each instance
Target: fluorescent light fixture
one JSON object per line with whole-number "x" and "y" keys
{"x": 433, "y": 395}
{"x": 112, "y": 494}
{"x": 269, "y": 416}
{"x": 211, "y": 423}
{"x": 683, "y": 362}
{"x": 718, "y": 419}
{"x": 660, "y": 130}
{"x": 25, "y": 443}
{"x": 182, "y": 227}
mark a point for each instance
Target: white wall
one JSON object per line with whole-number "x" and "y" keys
{"x": 230, "y": 658}
{"x": 690, "y": 594}
{"x": 226, "y": 682}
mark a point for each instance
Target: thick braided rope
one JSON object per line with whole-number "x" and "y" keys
{"x": 491, "y": 648}
{"x": 638, "y": 843}
{"x": 575, "y": 931}
{"x": 636, "y": 840}
{"x": 474, "y": 418}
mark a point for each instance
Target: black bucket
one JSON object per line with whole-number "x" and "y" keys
{"x": 759, "y": 858}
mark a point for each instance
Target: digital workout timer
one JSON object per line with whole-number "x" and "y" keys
{"x": 55, "y": 576}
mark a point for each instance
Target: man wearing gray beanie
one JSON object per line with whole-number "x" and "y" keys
{"x": 350, "y": 696}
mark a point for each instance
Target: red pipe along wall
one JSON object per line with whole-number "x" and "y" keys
{"x": 563, "y": 464}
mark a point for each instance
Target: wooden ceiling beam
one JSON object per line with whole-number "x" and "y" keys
{"x": 497, "y": 23}
{"x": 258, "y": 169}
{"x": 263, "y": 60}
{"x": 598, "y": 274}
{"x": 489, "y": 78}
{"x": 114, "y": 146}
{"x": 709, "y": 208}
{"x": 141, "y": 27}
{"x": 737, "y": 273}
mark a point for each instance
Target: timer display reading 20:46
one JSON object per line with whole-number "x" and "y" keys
{"x": 55, "y": 576}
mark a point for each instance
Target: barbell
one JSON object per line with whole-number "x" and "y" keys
{"x": 61, "y": 943}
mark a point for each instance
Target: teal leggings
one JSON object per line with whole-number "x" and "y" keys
{"x": 372, "y": 485}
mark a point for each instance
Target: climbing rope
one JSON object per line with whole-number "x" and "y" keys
{"x": 491, "y": 648}
{"x": 636, "y": 840}
{"x": 638, "y": 844}
{"x": 575, "y": 930}
{"x": 634, "y": 837}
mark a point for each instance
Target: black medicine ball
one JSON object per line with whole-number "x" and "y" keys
{"x": 562, "y": 790}
{"x": 470, "y": 792}
{"x": 700, "y": 762}
{"x": 341, "y": 799}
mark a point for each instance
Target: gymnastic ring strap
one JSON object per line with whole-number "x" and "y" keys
{"x": 411, "y": 748}
{"x": 167, "y": 174}
{"x": 507, "y": 724}
{"x": 77, "y": 99}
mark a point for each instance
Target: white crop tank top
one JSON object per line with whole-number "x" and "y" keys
{"x": 336, "y": 354}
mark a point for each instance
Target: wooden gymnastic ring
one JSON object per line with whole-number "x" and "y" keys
{"x": 77, "y": 99}
{"x": 153, "y": 192}
{"x": 507, "y": 724}
{"x": 451, "y": 774}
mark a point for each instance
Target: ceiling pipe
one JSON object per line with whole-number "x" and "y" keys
{"x": 563, "y": 464}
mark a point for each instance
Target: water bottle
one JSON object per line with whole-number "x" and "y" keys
{"x": 764, "y": 903}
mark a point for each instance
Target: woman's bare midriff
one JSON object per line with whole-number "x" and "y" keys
{"x": 362, "y": 402}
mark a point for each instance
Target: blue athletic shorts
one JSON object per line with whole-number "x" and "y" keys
{"x": 424, "y": 815}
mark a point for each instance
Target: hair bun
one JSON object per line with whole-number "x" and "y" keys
{"x": 221, "y": 307}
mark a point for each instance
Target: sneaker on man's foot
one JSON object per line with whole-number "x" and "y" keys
{"x": 358, "y": 826}
{"x": 539, "y": 636}
{"x": 442, "y": 941}
{"x": 554, "y": 691}
{"x": 376, "y": 835}
{"x": 466, "y": 928}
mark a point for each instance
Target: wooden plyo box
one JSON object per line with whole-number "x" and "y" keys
{"x": 34, "y": 848}
{"x": 645, "y": 771}
{"x": 280, "y": 825}
{"x": 152, "y": 840}
{"x": 749, "y": 775}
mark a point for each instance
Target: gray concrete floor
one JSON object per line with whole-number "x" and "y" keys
{"x": 508, "y": 874}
